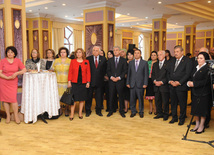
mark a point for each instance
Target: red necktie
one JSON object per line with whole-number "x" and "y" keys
{"x": 96, "y": 64}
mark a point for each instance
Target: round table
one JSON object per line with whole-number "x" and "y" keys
{"x": 39, "y": 95}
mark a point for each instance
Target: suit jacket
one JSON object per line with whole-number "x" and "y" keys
{"x": 120, "y": 71}
{"x": 74, "y": 71}
{"x": 97, "y": 74}
{"x": 181, "y": 74}
{"x": 201, "y": 81}
{"x": 140, "y": 77}
{"x": 194, "y": 63}
{"x": 160, "y": 75}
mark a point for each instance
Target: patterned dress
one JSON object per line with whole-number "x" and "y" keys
{"x": 61, "y": 70}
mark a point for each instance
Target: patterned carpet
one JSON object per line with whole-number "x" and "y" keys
{"x": 102, "y": 135}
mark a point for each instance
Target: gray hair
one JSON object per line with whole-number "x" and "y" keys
{"x": 116, "y": 47}
{"x": 162, "y": 52}
{"x": 97, "y": 47}
{"x": 204, "y": 49}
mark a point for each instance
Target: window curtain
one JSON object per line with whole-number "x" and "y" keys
{"x": 146, "y": 45}
{"x": 77, "y": 38}
{"x": 58, "y": 38}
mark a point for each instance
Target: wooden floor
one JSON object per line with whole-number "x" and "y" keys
{"x": 102, "y": 135}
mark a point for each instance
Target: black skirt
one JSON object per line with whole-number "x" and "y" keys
{"x": 150, "y": 88}
{"x": 80, "y": 91}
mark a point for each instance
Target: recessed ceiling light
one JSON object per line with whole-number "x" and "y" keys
{"x": 176, "y": 23}
{"x": 82, "y": 14}
{"x": 30, "y": 10}
{"x": 122, "y": 24}
{"x": 159, "y": 2}
{"x": 146, "y": 17}
{"x": 209, "y": 1}
{"x": 131, "y": 27}
{"x": 46, "y": 8}
{"x": 128, "y": 14}
{"x": 137, "y": 23}
{"x": 66, "y": 16}
{"x": 63, "y": 4}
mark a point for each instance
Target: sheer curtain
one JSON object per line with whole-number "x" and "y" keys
{"x": 77, "y": 38}
{"x": 146, "y": 45}
{"x": 58, "y": 38}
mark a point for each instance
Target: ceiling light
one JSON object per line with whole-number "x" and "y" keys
{"x": 137, "y": 23}
{"x": 82, "y": 14}
{"x": 131, "y": 27}
{"x": 46, "y": 8}
{"x": 176, "y": 23}
{"x": 30, "y": 10}
{"x": 159, "y": 2}
{"x": 209, "y": 1}
{"x": 117, "y": 15}
{"x": 63, "y": 4}
{"x": 128, "y": 14}
{"x": 122, "y": 24}
{"x": 146, "y": 17}
{"x": 66, "y": 16}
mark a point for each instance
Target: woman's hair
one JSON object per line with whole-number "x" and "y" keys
{"x": 38, "y": 54}
{"x": 13, "y": 49}
{"x": 151, "y": 55}
{"x": 63, "y": 48}
{"x": 103, "y": 53}
{"x": 167, "y": 51}
{"x": 131, "y": 51}
{"x": 83, "y": 53}
{"x": 52, "y": 51}
{"x": 188, "y": 54}
{"x": 110, "y": 52}
{"x": 205, "y": 54}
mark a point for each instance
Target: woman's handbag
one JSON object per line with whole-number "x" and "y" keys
{"x": 67, "y": 97}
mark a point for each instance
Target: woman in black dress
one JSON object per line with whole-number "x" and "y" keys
{"x": 129, "y": 57}
{"x": 201, "y": 92}
{"x": 50, "y": 56}
{"x": 79, "y": 78}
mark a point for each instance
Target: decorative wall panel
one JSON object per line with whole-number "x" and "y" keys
{"x": 28, "y": 44}
{"x": 45, "y": 42}
{"x": 110, "y": 15}
{"x": 93, "y": 37}
{"x": 110, "y": 36}
{"x": 17, "y": 32}
{"x": 208, "y": 43}
{"x": 208, "y": 34}
{"x": 200, "y": 34}
{"x": 2, "y": 39}
{"x": 127, "y": 34}
{"x": 16, "y": 2}
{"x": 188, "y": 44}
{"x": 170, "y": 44}
{"x": 35, "y": 24}
{"x": 94, "y": 16}
{"x": 1, "y": 1}
{"x": 126, "y": 43}
{"x": 171, "y": 35}
{"x": 180, "y": 42}
{"x": 188, "y": 30}
{"x": 180, "y": 35}
{"x": 164, "y": 41}
{"x": 199, "y": 43}
{"x": 44, "y": 24}
{"x": 156, "y": 41}
{"x": 157, "y": 25}
{"x": 35, "y": 39}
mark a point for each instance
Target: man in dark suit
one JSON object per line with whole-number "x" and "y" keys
{"x": 137, "y": 81}
{"x": 179, "y": 73}
{"x": 98, "y": 70}
{"x": 116, "y": 71}
{"x": 161, "y": 87}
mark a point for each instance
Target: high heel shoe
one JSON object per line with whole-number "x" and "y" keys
{"x": 192, "y": 130}
{"x": 80, "y": 117}
{"x": 71, "y": 119}
{"x": 155, "y": 113}
{"x": 199, "y": 131}
{"x": 150, "y": 112}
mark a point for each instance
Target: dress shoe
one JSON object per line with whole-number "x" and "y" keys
{"x": 71, "y": 119}
{"x": 150, "y": 112}
{"x": 115, "y": 110}
{"x": 107, "y": 110}
{"x": 173, "y": 121}
{"x": 206, "y": 126}
{"x": 155, "y": 113}
{"x": 199, "y": 132}
{"x": 80, "y": 117}
{"x": 158, "y": 116}
{"x": 132, "y": 115}
{"x": 88, "y": 114}
{"x": 123, "y": 115}
{"x": 125, "y": 111}
{"x": 99, "y": 114}
{"x": 193, "y": 123}
{"x": 109, "y": 114}
{"x": 181, "y": 123}
{"x": 165, "y": 118}
{"x": 141, "y": 115}
{"x": 192, "y": 130}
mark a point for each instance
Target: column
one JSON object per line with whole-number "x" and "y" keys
{"x": 39, "y": 35}
{"x": 13, "y": 27}
{"x": 99, "y": 26}
{"x": 159, "y": 34}
{"x": 189, "y": 38}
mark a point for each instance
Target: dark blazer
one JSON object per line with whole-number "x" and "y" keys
{"x": 120, "y": 71}
{"x": 97, "y": 74}
{"x": 194, "y": 62}
{"x": 140, "y": 77}
{"x": 201, "y": 81}
{"x": 181, "y": 74}
{"x": 160, "y": 75}
{"x": 74, "y": 71}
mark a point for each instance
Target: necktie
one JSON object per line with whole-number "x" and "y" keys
{"x": 116, "y": 63}
{"x": 136, "y": 65}
{"x": 176, "y": 65}
{"x": 96, "y": 64}
{"x": 160, "y": 65}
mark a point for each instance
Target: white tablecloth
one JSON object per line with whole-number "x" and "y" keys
{"x": 39, "y": 95}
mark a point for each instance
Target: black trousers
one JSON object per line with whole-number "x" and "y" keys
{"x": 162, "y": 103}
{"x": 98, "y": 98}
{"x": 178, "y": 97}
{"x": 114, "y": 89}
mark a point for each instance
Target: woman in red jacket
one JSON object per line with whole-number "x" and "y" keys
{"x": 79, "y": 78}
